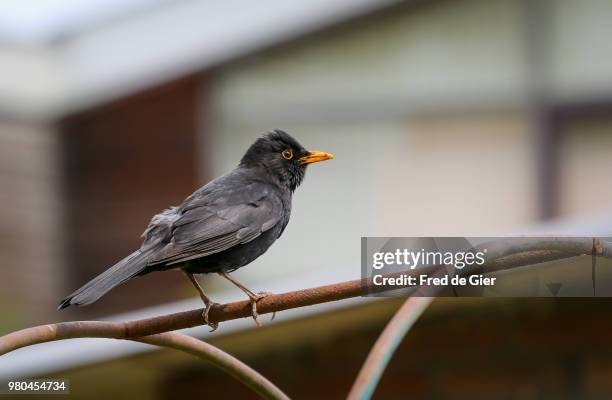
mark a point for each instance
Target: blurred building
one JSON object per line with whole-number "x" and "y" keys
{"x": 447, "y": 117}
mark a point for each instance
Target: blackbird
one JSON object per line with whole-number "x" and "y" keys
{"x": 222, "y": 226}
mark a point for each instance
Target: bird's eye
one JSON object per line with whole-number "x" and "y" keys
{"x": 287, "y": 154}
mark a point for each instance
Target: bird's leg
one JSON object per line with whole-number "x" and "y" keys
{"x": 207, "y": 302}
{"x": 252, "y": 296}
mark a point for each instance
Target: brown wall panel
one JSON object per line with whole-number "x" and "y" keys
{"x": 123, "y": 163}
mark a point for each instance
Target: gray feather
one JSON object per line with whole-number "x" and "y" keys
{"x": 216, "y": 218}
{"x": 103, "y": 283}
{"x": 156, "y": 235}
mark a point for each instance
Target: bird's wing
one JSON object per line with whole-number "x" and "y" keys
{"x": 211, "y": 223}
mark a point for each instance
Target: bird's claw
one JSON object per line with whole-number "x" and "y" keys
{"x": 254, "y": 299}
{"x": 213, "y": 325}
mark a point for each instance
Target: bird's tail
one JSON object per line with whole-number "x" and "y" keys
{"x": 119, "y": 273}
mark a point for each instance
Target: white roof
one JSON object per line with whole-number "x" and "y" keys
{"x": 39, "y": 23}
{"x": 59, "y": 56}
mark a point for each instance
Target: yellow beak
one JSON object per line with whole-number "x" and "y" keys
{"x": 316, "y": 156}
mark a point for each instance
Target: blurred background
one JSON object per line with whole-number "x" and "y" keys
{"x": 446, "y": 117}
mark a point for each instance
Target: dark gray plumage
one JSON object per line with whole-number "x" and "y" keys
{"x": 222, "y": 226}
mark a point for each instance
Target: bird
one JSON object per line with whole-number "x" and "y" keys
{"x": 222, "y": 226}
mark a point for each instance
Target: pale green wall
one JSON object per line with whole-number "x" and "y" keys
{"x": 424, "y": 106}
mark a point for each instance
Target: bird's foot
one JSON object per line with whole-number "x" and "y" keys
{"x": 213, "y": 325}
{"x": 254, "y": 299}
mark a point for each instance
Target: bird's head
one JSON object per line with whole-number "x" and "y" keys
{"x": 284, "y": 158}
